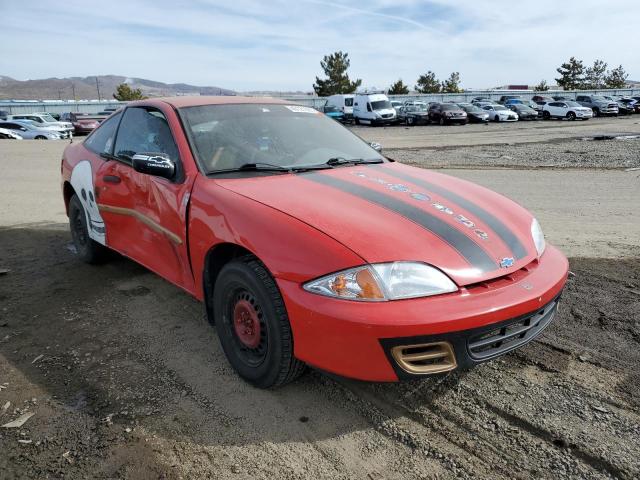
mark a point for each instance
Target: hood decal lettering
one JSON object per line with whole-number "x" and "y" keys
{"x": 500, "y": 229}
{"x": 464, "y": 245}
{"x": 423, "y": 197}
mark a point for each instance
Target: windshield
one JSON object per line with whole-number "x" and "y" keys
{"x": 470, "y": 108}
{"x": 524, "y": 108}
{"x": 229, "y": 136}
{"x": 449, "y": 108}
{"x": 381, "y": 105}
{"x": 348, "y": 102}
{"x": 598, "y": 98}
{"x": 48, "y": 118}
{"x": 330, "y": 108}
{"x": 573, "y": 104}
{"x": 499, "y": 107}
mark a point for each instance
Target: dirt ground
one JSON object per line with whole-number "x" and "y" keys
{"x": 126, "y": 379}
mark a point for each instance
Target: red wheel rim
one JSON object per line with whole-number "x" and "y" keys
{"x": 246, "y": 324}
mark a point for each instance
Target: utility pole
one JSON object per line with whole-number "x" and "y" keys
{"x": 73, "y": 89}
{"x": 59, "y": 94}
{"x": 98, "y": 88}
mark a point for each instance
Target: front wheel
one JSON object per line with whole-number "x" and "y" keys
{"x": 40, "y": 137}
{"x": 571, "y": 116}
{"x": 442, "y": 122}
{"x": 546, "y": 115}
{"x": 596, "y": 112}
{"x": 410, "y": 120}
{"x": 253, "y": 326}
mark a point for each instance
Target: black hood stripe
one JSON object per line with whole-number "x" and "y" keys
{"x": 501, "y": 230}
{"x": 464, "y": 245}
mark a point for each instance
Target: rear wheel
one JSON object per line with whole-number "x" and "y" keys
{"x": 253, "y": 326}
{"x": 571, "y": 116}
{"x": 356, "y": 120}
{"x": 442, "y": 122}
{"x": 596, "y": 112}
{"x": 546, "y": 115}
{"x": 410, "y": 120}
{"x": 40, "y": 137}
{"x": 88, "y": 249}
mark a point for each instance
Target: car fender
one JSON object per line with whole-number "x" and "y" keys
{"x": 289, "y": 248}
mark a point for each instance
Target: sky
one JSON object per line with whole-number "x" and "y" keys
{"x": 277, "y": 45}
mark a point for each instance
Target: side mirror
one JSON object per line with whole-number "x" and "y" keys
{"x": 376, "y": 146}
{"x": 158, "y": 164}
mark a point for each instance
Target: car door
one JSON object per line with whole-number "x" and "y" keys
{"x": 145, "y": 216}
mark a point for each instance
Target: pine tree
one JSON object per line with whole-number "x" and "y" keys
{"x": 125, "y": 93}
{"x": 594, "y": 77}
{"x": 398, "y": 88}
{"x": 428, "y": 83}
{"x": 335, "y": 68}
{"x": 452, "y": 84}
{"x": 616, "y": 78}
{"x": 542, "y": 86}
{"x": 571, "y": 74}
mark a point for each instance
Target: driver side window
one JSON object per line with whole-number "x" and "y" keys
{"x": 144, "y": 130}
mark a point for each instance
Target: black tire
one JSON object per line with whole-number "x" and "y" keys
{"x": 356, "y": 120}
{"x": 246, "y": 283}
{"x": 410, "y": 120}
{"x": 87, "y": 249}
{"x": 496, "y": 118}
{"x": 442, "y": 121}
{"x": 596, "y": 112}
{"x": 546, "y": 115}
{"x": 571, "y": 116}
{"x": 40, "y": 137}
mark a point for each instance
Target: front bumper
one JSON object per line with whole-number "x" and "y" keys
{"x": 355, "y": 339}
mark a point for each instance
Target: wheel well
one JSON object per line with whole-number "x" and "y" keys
{"x": 67, "y": 192}
{"x": 217, "y": 258}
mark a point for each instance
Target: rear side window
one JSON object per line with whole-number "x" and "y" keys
{"x": 348, "y": 102}
{"x": 101, "y": 140}
{"x": 144, "y": 131}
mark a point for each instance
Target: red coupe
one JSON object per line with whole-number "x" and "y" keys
{"x": 306, "y": 245}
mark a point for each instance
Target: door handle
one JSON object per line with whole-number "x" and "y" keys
{"x": 111, "y": 179}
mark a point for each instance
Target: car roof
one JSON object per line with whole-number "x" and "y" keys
{"x": 197, "y": 101}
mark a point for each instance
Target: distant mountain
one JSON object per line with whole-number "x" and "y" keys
{"x": 86, "y": 89}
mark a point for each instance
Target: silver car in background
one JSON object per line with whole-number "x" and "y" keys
{"x": 43, "y": 119}
{"x": 6, "y": 134}
{"x": 29, "y": 131}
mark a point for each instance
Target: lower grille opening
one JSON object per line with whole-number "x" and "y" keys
{"x": 507, "y": 337}
{"x": 425, "y": 358}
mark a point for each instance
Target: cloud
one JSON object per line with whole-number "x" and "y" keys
{"x": 250, "y": 44}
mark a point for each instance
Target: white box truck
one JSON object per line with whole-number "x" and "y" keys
{"x": 344, "y": 103}
{"x": 373, "y": 109}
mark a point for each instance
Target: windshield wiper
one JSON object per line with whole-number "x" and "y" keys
{"x": 351, "y": 161}
{"x": 269, "y": 167}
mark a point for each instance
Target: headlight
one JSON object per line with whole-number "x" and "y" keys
{"x": 538, "y": 237}
{"x": 383, "y": 281}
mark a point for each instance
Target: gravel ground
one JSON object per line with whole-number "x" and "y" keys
{"x": 602, "y": 154}
{"x": 126, "y": 379}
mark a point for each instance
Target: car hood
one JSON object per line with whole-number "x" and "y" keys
{"x": 392, "y": 212}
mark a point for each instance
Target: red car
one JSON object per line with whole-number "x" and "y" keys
{"x": 306, "y": 245}
{"x": 83, "y": 123}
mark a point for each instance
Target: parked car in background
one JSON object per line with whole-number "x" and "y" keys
{"x": 623, "y": 107}
{"x": 396, "y": 105}
{"x": 333, "y": 112}
{"x": 373, "y": 109}
{"x": 481, "y": 99}
{"x": 7, "y": 134}
{"x": 524, "y": 112}
{"x": 500, "y": 113}
{"x": 559, "y": 98}
{"x": 568, "y": 109}
{"x": 63, "y": 132}
{"x": 630, "y": 102}
{"x": 483, "y": 104}
{"x": 83, "y": 123}
{"x": 505, "y": 98}
{"x": 541, "y": 99}
{"x": 474, "y": 113}
{"x": 4, "y": 114}
{"x": 344, "y": 103}
{"x": 45, "y": 119}
{"x": 447, "y": 114}
{"x": 29, "y": 131}
{"x": 599, "y": 104}
{"x": 414, "y": 114}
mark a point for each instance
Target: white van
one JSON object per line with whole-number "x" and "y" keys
{"x": 373, "y": 109}
{"x": 344, "y": 103}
